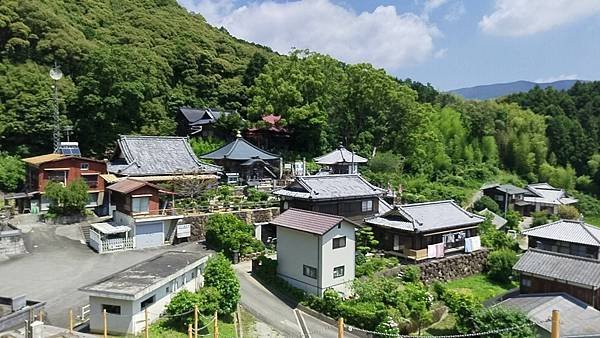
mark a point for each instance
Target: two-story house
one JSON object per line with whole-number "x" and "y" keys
{"x": 63, "y": 169}
{"x": 350, "y": 196}
{"x": 422, "y": 231}
{"x": 563, "y": 256}
{"x": 315, "y": 251}
{"x": 506, "y": 195}
{"x": 140, "y": 219}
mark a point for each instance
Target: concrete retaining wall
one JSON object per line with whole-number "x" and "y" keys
{"x": 11, "y": 243}
{"x": 199, "y": 221}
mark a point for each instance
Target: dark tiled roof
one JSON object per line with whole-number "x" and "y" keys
{"x": 567, "y": 231}
{"x": 324, "y": 187}
{"x": 576, "y": 317}
{"x": 552, "y": 265}
{"x": 307, "y": 221}
{"x": 340, "y": 155}
{"x": 129, "y": 185}
{"x": 137, "y": 278}
{"x": 157, "y": 155}
{"x": 428, "y": 216}
{"x": 200, "y": 116}
{"x": 240, "y": 150}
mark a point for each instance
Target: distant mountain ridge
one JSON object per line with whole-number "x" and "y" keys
{"x": 491, "y": 91}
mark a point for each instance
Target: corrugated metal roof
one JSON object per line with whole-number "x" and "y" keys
{"x": 567, "y": 231}
{"x": 428, "y": 216}
{"x": 340, "y": 155}
{"x": 552, "y": 265}
{"x": 323, "y": 187}
{"x": 307, "y": 221}
{"x": 576, "y": 317}
{"x": 547, "y": 194}
{"x": 239, "y": 150}
{"x": 109, "y": 178}
{"x": 37, "y": 160}
{"x": 157, "y": 155}
{"x": 108, "y": 229}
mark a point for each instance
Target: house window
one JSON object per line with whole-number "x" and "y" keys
{"x": 140, "y": 204}
{"x": 114, "y": 309}
{"x": 91, "y": 180}
{"x": 309, "y": 271}
{"x": 367, "y": 206}
{"x": 339, "y": 242}
{"x": 92, "y": 199}
{"x": 526, "y": 282}
{"x": 84, "y": 166}
{"x": 338, "y": 271}
{"x": 59, "y": 176}
{"x": 193, "y": 275}
{"x": 145, "y": 303}
{"x": 167, "y": 290}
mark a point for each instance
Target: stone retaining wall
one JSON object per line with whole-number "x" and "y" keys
{"x": 199, "y": 221}
{"x": 11, "y": 243}
{"x": 454, "y": 267}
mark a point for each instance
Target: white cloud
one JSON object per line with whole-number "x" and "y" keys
{"x": 526, "y": 17}
{"x": 456, "y": 12}
{"x": 382, "y": 37}
{"x": 440, "y": 53}
{"x": 431, "y": 5}
{"x": 557, "y": 78}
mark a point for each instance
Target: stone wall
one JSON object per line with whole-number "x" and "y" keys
{"x": 11, "y": 243}
{"x": 198, "y": 222}
{"x": 454, "y": 267}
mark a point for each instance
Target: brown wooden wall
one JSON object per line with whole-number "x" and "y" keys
{"x": 123, "y": 201}
{"x": 347, "y": 208}
{"x": 74, "y": 172}
{"x": 539, "y": 285}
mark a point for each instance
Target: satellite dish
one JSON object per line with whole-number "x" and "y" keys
{"x": 56, "y": 74}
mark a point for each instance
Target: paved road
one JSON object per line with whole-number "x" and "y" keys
{"x": 58, "y": 264}
{"x": 282, "y": 316}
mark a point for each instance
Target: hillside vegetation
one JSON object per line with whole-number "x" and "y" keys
{"x": 130, "y": 64}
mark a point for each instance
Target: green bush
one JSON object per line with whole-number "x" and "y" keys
{"x": 539, "y": 218}
{"x": 388, "y": 327}
{"x": 69, "y": 200}
{"x": 366, "y": 315}
{"x": 513, "y": 219}
{"x": 255, "y": 195}
{"x": 206, "y": 298}
{"x": 499, "y": 265}
{"x": 411, "y": 274}
{"x": 374, "y": 264}
{"x": 568, "y": 212}
{"x": 494, "y": 239}
{"x": 12, "y": 172}
{"x": 486, "y": 202}
{"x": 226, "y": 232}
{"x": 220, "y": 275}
{"x": 497, "y": 318}
{"x": 365, "y": 240}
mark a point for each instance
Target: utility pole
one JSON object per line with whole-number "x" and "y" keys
{"x": 56, "y": 74}
{"x": 555, "y": 324}
{"x": 341, "y": 327}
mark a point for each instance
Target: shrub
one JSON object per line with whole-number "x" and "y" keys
{"x": 386, "y": 162}
{"x": 366, "y": 315}
{"x": 365, "y": 240}
{"x": 539, "y": 218}
{"x": 513, "y": 219}
{"x": 497, "y": 318}
{"x": 388, "y": 327}
{"x": 220, "y": 275}
{"x": 206, "y": 298}
{"x": 486, "y": 202}
{"x": 67, "y": 200}
{"x": 499, "y": 265}
{"x": 568, "y": 212}
{"x": 374, "y": 264}
{"x": 226, "y": 232}
{"x": 411, "y": 274}
{"x": 12, "y": 172}
{"x": 255, "y": 195}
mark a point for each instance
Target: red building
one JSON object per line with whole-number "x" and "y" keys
{"x": 63, "y": 169}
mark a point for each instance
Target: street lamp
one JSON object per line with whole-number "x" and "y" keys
{"x": 56, "y": 74}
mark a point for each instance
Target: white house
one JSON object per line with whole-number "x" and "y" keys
{"x": 149, "y": 285}
{"x": 315, "y": 251}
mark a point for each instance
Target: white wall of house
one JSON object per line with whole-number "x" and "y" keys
{"x": 294, "y": 250}
{"x": 333, "y": 258}
{"x": 123, "y": 219}
{"x": 131, "y": 319}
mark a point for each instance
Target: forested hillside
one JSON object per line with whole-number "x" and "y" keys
{"x": 131, "y": 63}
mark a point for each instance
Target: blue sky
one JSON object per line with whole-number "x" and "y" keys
{"x": 449, "y": 43}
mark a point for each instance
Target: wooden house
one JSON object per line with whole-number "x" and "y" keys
{"x": 341, "y": 161}
{"x": 428, "y": 230}
{"x": 349, "y": 196}
{"x": 506, "y": 195}
{"x": 543, "y": 197}
{"x": 63, "y": 169}
{"x": 271, "y": 135}
{"x": 252, "y": 164}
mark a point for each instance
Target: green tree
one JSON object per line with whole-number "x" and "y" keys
{"x": 220, "y": 274}
{"x": 68, "y": 200}
{"x": 228, "y": 233}
{"x": 486, "y": 202}
{"x": 202, "y": 146}
{"x": 181, "y": 307}
{"x": 568, "y": 212}
{"x": 12, "y": 172}
{"x": 365, "y": 240}
{"x": 498, "y": 318}
{"x": 500, "y": 263}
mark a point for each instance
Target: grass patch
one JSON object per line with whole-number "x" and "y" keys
{"x": 480, "y": 287}
{"x": 162, "y": 329}
{"x": 444, "y": 327}
{"x": 248, "y": 322}
{"x": 593, "y": 220}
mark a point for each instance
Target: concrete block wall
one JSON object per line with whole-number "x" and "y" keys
{"x": 11, "y": 243}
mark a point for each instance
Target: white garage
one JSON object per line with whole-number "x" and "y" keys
{"x": 149, "y": 234}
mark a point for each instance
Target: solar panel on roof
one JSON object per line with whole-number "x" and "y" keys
{"x": 69, "y": 148}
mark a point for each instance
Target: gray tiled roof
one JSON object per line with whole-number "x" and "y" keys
{"x": 553, "y": 265}
{"x": 428, "y": 216}
{"x": 324, "y": 187}
{"x": 508, "y": 188}
{"x": 547, "y": 194}
{"x": 340, "y": 155}
{"x": 157, "y": 155}
{"x": 567, "y": 231}
{"x": 576, "y": 317}
{"x": 196, "y": 116}
{"x": 240, "y": 150}
{"x": 307, "y": 221}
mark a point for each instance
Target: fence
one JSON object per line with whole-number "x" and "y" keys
{"x": 110, "y": 245}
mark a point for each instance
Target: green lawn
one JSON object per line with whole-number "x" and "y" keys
{"x": 444, "y": 327}
{"x": 480, "y": 287}
{"x": 161, "y": 329}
